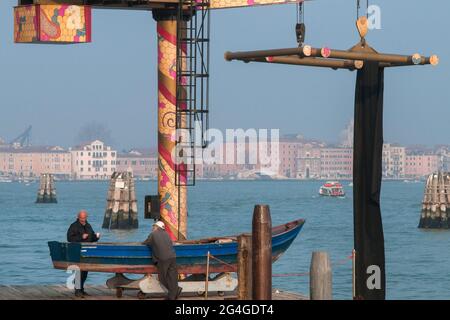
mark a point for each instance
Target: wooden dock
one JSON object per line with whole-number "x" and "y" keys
{"x": 99, "y": 292}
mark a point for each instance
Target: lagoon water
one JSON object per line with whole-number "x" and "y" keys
{"x": 417, "y": 261}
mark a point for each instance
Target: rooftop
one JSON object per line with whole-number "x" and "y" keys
{"x": 37, "y": 149}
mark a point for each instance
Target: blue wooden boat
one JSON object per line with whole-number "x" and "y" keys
{"x": 191, "y": 254}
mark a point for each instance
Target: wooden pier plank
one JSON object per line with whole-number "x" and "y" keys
{"x": 9, "y": 293}
{"x": 99, "y": 292}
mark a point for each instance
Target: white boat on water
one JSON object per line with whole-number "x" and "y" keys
{"x": 332, "y": 189}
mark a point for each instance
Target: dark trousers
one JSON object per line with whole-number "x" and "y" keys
{"x": 83, "y": 277}
{"x": 168, "y": 276}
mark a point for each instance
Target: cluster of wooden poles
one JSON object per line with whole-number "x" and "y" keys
{"x": 121, "y": 207}
{"x": 47, "y": 190}
{"x": 436, "y": 202}
{"x": 255, "y": 263}
{"x": 331, "y": 58}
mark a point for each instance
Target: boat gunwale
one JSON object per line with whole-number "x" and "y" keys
{"x": 276, "y": 232}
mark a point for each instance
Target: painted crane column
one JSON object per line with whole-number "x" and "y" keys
{"x": 173, "y": 198}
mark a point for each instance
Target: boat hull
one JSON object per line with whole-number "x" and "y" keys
{"x": 136, "y": 258}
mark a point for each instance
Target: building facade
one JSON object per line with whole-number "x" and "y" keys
{"x": 93, "y": 161}
{"x": 336, "y": 163}
{"x": 394, "y": 161}
{"x": 309, "y": 162}
{"x": 29, "y": 162}
{"x": 143, "y": 163}
{"x": 419, "y": 166}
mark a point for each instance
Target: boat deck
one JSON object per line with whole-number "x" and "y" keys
{"x": 99, "y": 292}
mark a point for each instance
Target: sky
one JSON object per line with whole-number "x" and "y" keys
{"x": 112, "y": 81}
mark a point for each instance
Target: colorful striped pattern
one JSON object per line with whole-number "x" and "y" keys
{"x": 176, "y": 225}
{"x": 52, "y": 24}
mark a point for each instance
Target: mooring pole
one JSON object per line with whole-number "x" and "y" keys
{"x": 262, "y": 253}
{"x": 207, "y": 277}
{"x": 320, "y": 277}
{"x": 244, "y": 270}
{"x": 173, "y": 202}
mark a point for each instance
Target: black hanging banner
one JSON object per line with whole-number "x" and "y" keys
{"x": 370, "y": 278}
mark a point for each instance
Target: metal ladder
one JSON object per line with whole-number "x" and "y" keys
{"x": 192, "y": 86}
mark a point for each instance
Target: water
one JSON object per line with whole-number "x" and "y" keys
{"x": 417, "y": 261}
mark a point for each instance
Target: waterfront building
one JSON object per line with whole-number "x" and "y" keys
{"x": 288, "y": 155}
{"x": 394, "y": 160}
{"x": 93, "y": 161}
{"x": 308, "y": 162}
{"x": 33, "y": 161}
{"x": 421, "y": 165}
{"x": 336, "y": 163}
{"x": 142, "y": 162}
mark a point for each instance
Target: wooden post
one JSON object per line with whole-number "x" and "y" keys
{"x": 121, "y": 206}
{"x": 352, "y": 54}
{"x": 207, "y": 277}
{"x": 47, "y": 191}
{"x": 262, "y": 253}
{"x": 436, "y": 202}
{"x": 320, "y": 281}
{"x": 244, "y": 271}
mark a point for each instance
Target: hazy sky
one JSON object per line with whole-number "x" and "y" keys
{"x": 58, "y": 89}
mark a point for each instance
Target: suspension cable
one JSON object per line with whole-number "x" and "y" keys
{"x": 358, "y": 8}
{"x": 300, "y": 12}
{"x": 300, "y": 27}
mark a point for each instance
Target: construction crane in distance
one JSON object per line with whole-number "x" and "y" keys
{"x": 23, "y": 140}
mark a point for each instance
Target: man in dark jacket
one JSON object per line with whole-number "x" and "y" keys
{"x": 163, "y": 256}
{"x": 81, "y": 231}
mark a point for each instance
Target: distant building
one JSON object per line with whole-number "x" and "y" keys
{"x": 290, "y": 151}
{"x": 394, "y": 160}
{"x": 336, "y": 163}
{"x": 33, "y": 161}
{"x": 418, "y": 166}
{"x": 444, "y": 158}
{"x": 142, "y": 162}
{"x": 308, "y": 162}
{"x": 93, "y": 161}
